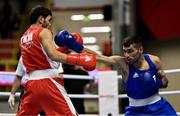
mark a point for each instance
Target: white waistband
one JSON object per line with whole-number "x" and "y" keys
{"x": 42, "y": 74}
{"x": 144, "y": 102}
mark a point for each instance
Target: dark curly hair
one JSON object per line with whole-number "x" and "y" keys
{"x": 38, "y": 11}
{"x": 132, "y": 40}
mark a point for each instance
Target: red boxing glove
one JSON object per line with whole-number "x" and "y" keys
{"x": 88, "y": 61}
{"x": 78, "y": 38}
{"x": 62, "y": 49}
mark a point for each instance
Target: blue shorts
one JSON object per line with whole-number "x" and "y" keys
{"x": 160, "y": 108}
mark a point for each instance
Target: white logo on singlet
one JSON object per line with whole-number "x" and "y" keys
{"x": 154, "y": 77}
{"x": 87, "y": 58}
{"x": 135, "y": 75}
{"x": 27, "y": 41}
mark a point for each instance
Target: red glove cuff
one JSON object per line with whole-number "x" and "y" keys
{"x": 72, "y": 59}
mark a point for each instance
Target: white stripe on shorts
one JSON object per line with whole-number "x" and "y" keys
{"x": 66, "y": 97}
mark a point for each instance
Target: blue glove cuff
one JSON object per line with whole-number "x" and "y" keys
{"x": 77, "y": 47}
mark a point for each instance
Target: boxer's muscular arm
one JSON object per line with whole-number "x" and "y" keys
{"x": 119, "y": 61}
{"x": 50, "y": 48}
{"x": 113, "y": 60}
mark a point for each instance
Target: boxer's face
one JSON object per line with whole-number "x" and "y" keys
{"x": 132, "y": 53}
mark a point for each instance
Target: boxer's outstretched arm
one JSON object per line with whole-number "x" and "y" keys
{"x": 113, "y": 60}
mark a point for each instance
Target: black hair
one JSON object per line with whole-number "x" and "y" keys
{"x": 38, "y": 11}
{"x": 132, "y": 40}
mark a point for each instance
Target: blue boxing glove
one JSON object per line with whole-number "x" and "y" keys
{"x": 159, "y": 83}
{"x": 64, "y": 38}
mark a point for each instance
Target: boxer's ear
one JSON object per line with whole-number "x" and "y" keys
{"x": 141, "y": 49}
{"x": 40, "y": 20}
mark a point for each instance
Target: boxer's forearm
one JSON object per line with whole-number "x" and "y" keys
{"x": 101, "y": 58}
{"x": 16, "y": 84}
{"x": 90, "y": 51}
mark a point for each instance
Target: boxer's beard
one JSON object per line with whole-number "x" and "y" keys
{"x": 45, "y": 24}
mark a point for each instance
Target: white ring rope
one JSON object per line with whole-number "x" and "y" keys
{"x": 170, "y": 71}
{"x": 77, "y": 77}
{"x": 86, "y": 96}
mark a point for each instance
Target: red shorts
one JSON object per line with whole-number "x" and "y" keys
{"x": 47, "y": 95}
